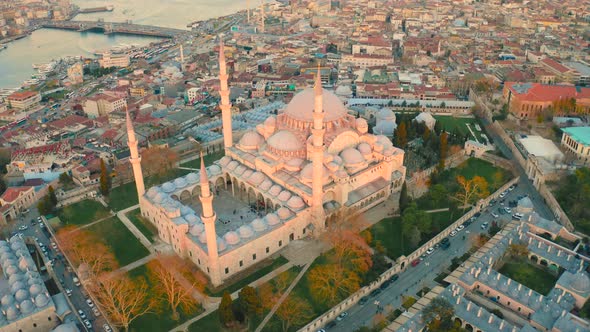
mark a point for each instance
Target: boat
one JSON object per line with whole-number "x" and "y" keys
{"x": 3, "y": 47}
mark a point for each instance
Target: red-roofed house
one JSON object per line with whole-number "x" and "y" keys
{"x": 562, "y": 73}
{"x": 19, "y": 198}
{"x": 527, "y": 100}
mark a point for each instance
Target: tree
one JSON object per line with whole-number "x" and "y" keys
{"x": 444, "y": 150}
{"x": 2, "y": 185}
{"x": 350, "y": 250}
{"x": 414, "y": 236}
{"x": 105, "y": 179}
{"x": 471, "y": 190}
{"x": 401, "y": 136}
{"x": 65, "y": 179}
{"x": 518, "y": 250}
{"x": 158, "y": 160}
{"x": 123, "y": 299}
{"x": 51, "y": 195}
{"x": 413, "y": 216}
{"x": 83, "y": 247}
{"x": 404, "y": 199}
{"x": 169, "y": 288}
{"x": 439, "y": 194}
{"x": 226, "y": 313}
{"x": 439, "y": 315}
{"x": 497, "y": 179}
{"x": 250, "y": 302}
{"x": 294, "y": 311}
{"x": 331, "y": 283}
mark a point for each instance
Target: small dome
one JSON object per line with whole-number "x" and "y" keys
{"x": 35, "y": 289}
{"x": 352, "y": 157}
{"x": 259, "y": 225}
{"x": 185, "y": 210}
{"x": 364, "y": 148}
{"x": 361, "y": 125}
{"x": 159, "y": 197}
{"x": 27, "y": 306}
{"x": 203, "y": 238}
{"x": 232, "y": 165}
{"x": 275, "y": 190}
{"x": 192, "y": 218}
{"x": 386, "y": 114}
{"x": 152, "y": 192}
{"x": 224, "y": 161}
{"x": 21, "y": 295}
{"x": 231, "y": 238}
{"x": 272, "y": 219}
{"x": 251, "y": 140}
{"x": 41, "y": 300}
{"x": 256, "y": 178}
{"x": 285, "y": 140}
{"x": 197, "y": 230}
{"x": 6, "y": 300}
{"x": 214, "y": 170}
{"x": 284, "y": 213}
{"x": 168, "y": 187}
{"x": 11, "y": 312}
{"x": 192, "y": 178}
{"x": 296, "y": 203}
{"x": 221, "y": 246}
{"x": 284, "y": 196}
{"x": 245, "y": 232}
{"x": 580, "y": 283}
{"x": 15, "y": 278}
{"x": 265, "y": 185}
{"x": 17, "y": 286}
{"x": 180, "y": 183}
{"x": 271, "y": 122}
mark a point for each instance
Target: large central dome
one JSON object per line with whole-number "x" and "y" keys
{"x": 301, "y": 106}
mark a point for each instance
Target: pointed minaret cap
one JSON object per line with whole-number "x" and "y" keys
{"x": 204, "y": 178}
{"x": 318, "y": 82}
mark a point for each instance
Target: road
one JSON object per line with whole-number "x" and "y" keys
{"x": 415, "y": 278}
{"x": 60, "y": 268}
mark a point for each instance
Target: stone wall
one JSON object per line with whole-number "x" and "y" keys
{"x": 401, "y": 264}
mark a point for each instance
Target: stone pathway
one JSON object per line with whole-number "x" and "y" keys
{"x": 94, "y": 222}
{"x": 188, "y": 168}
{"x": 133, "y": 229}
{"x": 137, "y": 263}
{"x": 437, "y": 210}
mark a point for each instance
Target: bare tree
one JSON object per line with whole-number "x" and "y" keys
{"x": 85, "y": 248}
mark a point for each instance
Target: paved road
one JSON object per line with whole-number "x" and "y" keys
{"x": 415, "y": 278}
{"x": 41, "y": 235}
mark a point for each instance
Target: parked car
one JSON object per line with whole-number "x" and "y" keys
{"x": 87, "y": 324}
{"x": 331, "y": 324}
{"x": 82, "y": 314}
{"x": 429, "y": 251}
{"x": 460, "y": 228}
{"x": 445, "y": 243}
{"x": 393, "y": 278}
{"x": 453, "y": 233}
{"x": 503, "y": 194}
{"x": 484, "y": 225}
{"x": 375, "y": 292}
{"x": 96, "y": 311}
{"x": 385, "y": 284}
{"x": 68, "y": 292}
{"x": 508, "y": 210}
{"x": 495, "y": 215}
{"x": 415, "y": 262}
{"x": 107, "y": 328}
{"x": 342, "y": 316}
{"x": 76, "y": 281}
{"x": 363, "y": 300}
{"x": 511, "y": 187}
{"x": 89, "y": 302}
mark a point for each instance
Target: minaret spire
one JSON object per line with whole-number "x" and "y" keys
{"x": 135, "y": 158}
{"x": 317, "y": 186}
{"x": 208, "y": 217}
{"x": 224, "y": 93}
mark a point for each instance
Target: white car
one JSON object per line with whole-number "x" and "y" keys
{"x": 460, "y": 228}
{"x": 96, "y": 311}
{"x": 342, "y": 316}
{"x": 502, "y": 195}
{"x": 509, "y": 210}
{"x": 107, "y": 328}
{"x": 87, "y": 323}
{"x": 68, "y": 292}
{"x": 82, "y": 314}
{"x": 453, "y": 233}
{"x": 429, "y": 251}
{"x": 89, "y": 302}
{"x": 495, "y": 215}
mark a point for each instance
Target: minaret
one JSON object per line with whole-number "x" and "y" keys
{"x": 208, "y": 216}
{"x": 135, "y": 158}
{"x": 317, "y": 187}
{"x": 248, "y": 9}
{"x": 181, "y": 58}
{"x": 261, "y": 16}
{"x": 225, "y": 104}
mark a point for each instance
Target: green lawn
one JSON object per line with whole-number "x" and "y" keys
{"x": 162, "y": 320}
{"x": 532, "y": 276}
{"x": 452, "y": 124}
{"x": 125, "y": 195}
{"x": 143, "y": 225}
{"x": 209, "y": 159}
{"x": 209, "y": 323}
{"x": 125, "y": 246}
{"x": 389, "y": 233}
{"x": 82, "y": 213}
{"x": 255, "y": 275}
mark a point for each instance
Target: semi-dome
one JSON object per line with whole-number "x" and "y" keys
{"x": 180, "y": 183}
{"x": 27, "y": 306}
{"x": 231, "y": 238}
{"x": 284, "y": 196}
{"x": 307, "y": 174}
{"x": 352, "y": 156}
{"x": 168, "y": 187}
{"x": 251, "y": 140}
{"x": 245, "y": 232}
{"x": 265, "y": 185}
{"x": 272, "y": 219}
{"x": 283, "y": 213}
{"x": 259, "y": 225}
{"x": 302, "y": 105}
{"x": 285, "y": 140}
{"x": 35, "y": 289}
{"x": 364, "y": 148}
{"x": 580, "y": 283}
{"x": 192, "y": 178}
{"x": 197, "y": 229}
{"x": 41, "y": 300}
{"x": 295, "y": 203}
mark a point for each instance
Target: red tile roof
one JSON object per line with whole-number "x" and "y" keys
{"x": 12, "y": 193}
{"x": 544, "y": 92}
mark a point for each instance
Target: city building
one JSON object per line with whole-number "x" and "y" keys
{"x": 528, "y": 100}
{"x": 26, "y": 302}
{"x": 76, "y": 73}
{"x": 46, "y": 162}
{"x": 102, "y": 104}
{"x": 23, "y": 100}
{"x": 20, "y": 198}
{"x": 114, "y": 60}
{"x": 289, "y": 178}
{"x": 576, "y": 140}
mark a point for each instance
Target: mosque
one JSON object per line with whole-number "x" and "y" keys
{"x": 287, "y": 179}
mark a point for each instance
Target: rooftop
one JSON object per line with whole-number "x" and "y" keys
{"x": 579, "y": 134}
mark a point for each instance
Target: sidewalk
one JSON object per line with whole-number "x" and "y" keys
{"x": 136, "y": 232}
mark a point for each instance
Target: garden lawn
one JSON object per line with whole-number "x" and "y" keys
{"x": 125, "y": 195}
{"x": 532, "y": 276}
{"x": 452, "y": 124}
{"x": 255, "y": 275}
{"x": 472, "y": 167}
{"x": 209, "y": 323}
{"x": 125, "y": 246}
{"x": 162, "y": 320}
{"x": 82, "y": 213}
{"x": 209, "y": 159}
{"x": 143, "y": 225}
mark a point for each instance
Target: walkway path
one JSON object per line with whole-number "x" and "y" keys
{"x": 437, "y": 210}
{"x": 283, "y": 297}
{"x": 137, "y": 263}
{"x": 133, "y": 229}
{"x": 94, "y": 222}
{"x": 187, "y": 168}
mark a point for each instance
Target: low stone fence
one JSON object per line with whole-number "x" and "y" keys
{"x": 400, "y": 265}
{"x": 499, "y": 161}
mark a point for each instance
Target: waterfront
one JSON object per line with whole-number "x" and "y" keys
{"x": 44, "y": 45}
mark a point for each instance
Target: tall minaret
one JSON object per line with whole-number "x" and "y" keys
{"x": 135, "y": 158}
{"x": 208, "y": 216}
{"x": 317, "y": 187}
{"x": 225, "y": 104}
{"x": 248, "y": 9}
{"x": 181, "y": 58}
{"x": 261, "y": 16}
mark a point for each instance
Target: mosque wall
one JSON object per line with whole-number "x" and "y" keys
{"x": 41, "y": 321}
